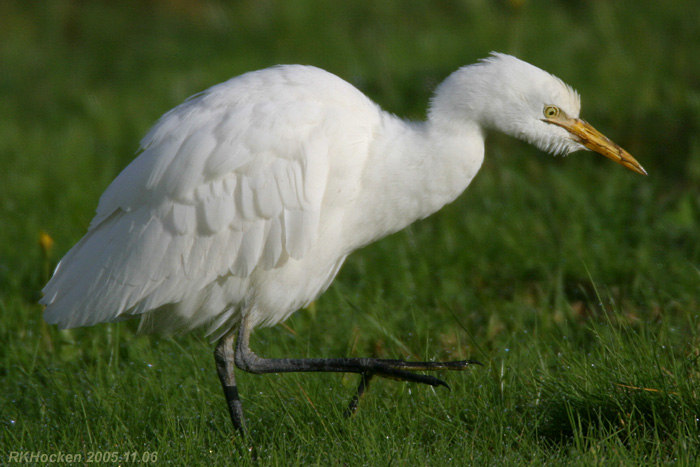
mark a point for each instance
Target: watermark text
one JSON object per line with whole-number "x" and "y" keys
{"x": 90, "y": 457}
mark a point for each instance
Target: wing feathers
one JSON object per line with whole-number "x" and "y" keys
{"x": 181, "y": 219}
{"x": 272, "y": 251}
{"x": 230, "y": 182}
{"x": 249, "y": 250}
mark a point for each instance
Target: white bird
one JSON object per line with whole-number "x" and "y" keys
{"x": 247, "y": 198}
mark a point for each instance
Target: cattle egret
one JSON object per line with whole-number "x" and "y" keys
{"x": 247, "y": 198}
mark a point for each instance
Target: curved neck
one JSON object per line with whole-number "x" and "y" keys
{"x": 417, "y": 168}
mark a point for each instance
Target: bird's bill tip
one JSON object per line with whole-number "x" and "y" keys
{"x": 598, "y": 142}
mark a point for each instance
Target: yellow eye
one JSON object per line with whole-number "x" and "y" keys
{"x": 551, "y": 111}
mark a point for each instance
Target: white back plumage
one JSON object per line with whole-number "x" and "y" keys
{"x": 230, "y": 182}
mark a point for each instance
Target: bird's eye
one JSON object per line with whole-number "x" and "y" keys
{"x": 551, "y": 111}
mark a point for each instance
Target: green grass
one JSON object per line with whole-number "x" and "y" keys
{"x": 575, "y": 282}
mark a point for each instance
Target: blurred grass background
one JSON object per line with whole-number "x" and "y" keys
{"x": 574, "y": 281}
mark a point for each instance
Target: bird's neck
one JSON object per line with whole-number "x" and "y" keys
{"x": 414, "y": 169}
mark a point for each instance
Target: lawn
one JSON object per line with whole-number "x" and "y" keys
{"x": 574, "y": 281}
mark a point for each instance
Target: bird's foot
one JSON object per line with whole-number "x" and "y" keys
{"x": 401, "y": 370}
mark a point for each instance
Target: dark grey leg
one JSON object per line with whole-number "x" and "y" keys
{"x": 224, "y": 356}
{"x": 394, "y": 369}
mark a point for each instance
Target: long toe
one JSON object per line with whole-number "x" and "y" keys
{"x": 404, "y": 375}
{"x": 455, "y": 365}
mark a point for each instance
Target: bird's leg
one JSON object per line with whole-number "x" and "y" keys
{"x": 225, "y": 363}
{"x": 393, "y": 369}
{"x": 361, "y": 388}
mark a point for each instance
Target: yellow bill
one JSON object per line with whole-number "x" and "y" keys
{"x": 596, "y": 141}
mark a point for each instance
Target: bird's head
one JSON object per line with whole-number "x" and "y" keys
{"x": 504, "y": 93}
